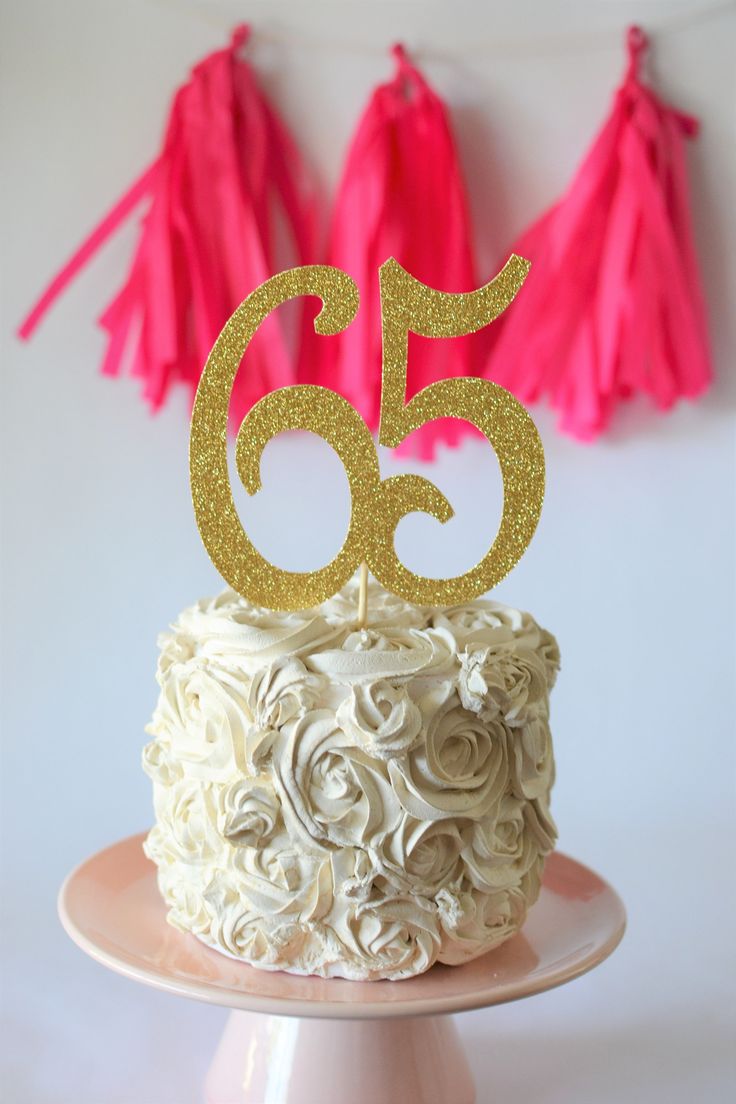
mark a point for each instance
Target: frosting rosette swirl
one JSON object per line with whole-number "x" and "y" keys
{"x": 382, "y": 717}
{"x": 459, "y": 769}
{"x": 351, "y": 802}
{"x": 201, "y": 718}
{"x": 506, "y": 682}
{"x": 250, "y": 811}
{"x": 389, "y": 937}
{"x": 332, "y": 792}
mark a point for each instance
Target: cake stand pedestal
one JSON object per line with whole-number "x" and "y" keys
{"x": 304, "y": 1040}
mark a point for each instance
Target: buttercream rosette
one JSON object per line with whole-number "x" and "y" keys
{"x": 346, "y": 802}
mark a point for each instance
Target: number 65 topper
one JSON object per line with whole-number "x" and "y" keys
{"x": 377, "y": 505}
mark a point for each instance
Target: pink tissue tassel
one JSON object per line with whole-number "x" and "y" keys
{"x": 613, "y": 303}
{"x": 401, "y": 195}
{"x": 228, "y": 171}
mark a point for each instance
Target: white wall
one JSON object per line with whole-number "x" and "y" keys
{"x": 633, "y": 565}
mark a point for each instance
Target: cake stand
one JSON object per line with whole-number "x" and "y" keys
{"x": 304, "y": 1040}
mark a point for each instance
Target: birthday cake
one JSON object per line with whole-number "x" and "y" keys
{"x": 351, "y": 802}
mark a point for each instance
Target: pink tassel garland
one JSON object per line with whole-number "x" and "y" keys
{"x": 402, "y": 195}
{"x": 613, "y": 305}
{"x": 227, "y": 171}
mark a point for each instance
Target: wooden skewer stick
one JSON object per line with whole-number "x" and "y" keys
{"x": 363, "y": 597}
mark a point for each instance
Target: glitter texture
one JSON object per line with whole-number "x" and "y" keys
{"x": 377, "y": 506}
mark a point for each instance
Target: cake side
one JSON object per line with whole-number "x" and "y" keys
{"x": 346, "y": 802}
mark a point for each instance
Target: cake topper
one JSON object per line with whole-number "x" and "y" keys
{"x": 377, "y": 505}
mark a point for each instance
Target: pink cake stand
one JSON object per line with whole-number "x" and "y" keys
{"x": 303, "y": 1040}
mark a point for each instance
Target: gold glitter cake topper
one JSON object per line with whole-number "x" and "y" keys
{"x": 377, "y": 506}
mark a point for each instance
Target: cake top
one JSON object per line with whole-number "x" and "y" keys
{"x": 253, "y": 669}
{"x": 400, "y": 639}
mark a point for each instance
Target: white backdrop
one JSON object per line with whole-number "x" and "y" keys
{"x": 633, "y": 565}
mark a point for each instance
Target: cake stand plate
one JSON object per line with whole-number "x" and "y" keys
{"x": 304, "y": 1040}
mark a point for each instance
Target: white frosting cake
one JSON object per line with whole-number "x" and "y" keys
{"x": 346, "y": 802}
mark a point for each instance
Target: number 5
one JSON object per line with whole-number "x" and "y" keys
{"x": 410, "y": 306}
